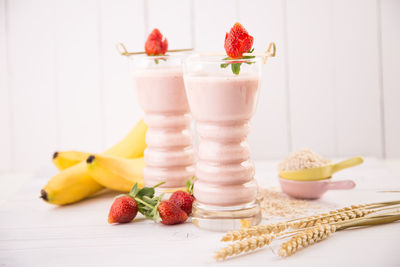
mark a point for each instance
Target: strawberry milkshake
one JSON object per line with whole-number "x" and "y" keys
{"x": 169, "y": 155}
{"x": 222, "y": 95}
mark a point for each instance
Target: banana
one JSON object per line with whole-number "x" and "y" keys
{"x": 65, "y": 159}
{"x": 75, "y": 183}
{"x": 70, "y": 185}
{"x": 132, "y": 146}
{"x": 115, "y": 172}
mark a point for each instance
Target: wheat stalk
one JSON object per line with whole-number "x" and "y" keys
{"x": 334, "y": 216}
{"x": 343, "y": 214}
{"x": 321, "y": 232}
{"x": 255, "y": 231}
{"x": 244, "y": 246}
{"x": 308, "y": 230}
{"x": 306, "y": 238}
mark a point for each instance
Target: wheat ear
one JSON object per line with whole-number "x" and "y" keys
{"x": 306, "y": 238}
{"x": 244, "y": 246}
{"x": 355, "y": 211}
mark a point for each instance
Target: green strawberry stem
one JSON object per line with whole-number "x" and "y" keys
{"x": 190, "y": 184}
{"x": 144, "y": 203}
{"x": 147, "y": 202}
{"x": 160, "y": 183}
{"x": 235, "y": 66}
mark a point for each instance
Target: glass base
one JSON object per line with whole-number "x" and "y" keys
{"x": 167, "y": 191}
{"x": 225, "y": 218}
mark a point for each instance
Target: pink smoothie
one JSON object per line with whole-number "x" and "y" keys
{"x": 169, "y": 155}
{"x": 222, "y": 107}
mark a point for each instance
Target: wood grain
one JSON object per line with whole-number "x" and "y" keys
{"x": 356, "y": 79}
{"x": 311, "y": 76}
{"x": 212, "y": 19}
{"x": 269, "y": 128}
{"x": 121, "y": 21}
{"x": 32, "y": 82}
{"x": 5, "y": 108}
{"x": 390, "y": 23}
{"x": 80, "y": 96}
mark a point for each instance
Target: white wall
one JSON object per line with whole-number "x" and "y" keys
{"x": 334, "y": 86}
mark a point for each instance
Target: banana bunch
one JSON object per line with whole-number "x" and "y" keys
{"x": 82, "y": 174}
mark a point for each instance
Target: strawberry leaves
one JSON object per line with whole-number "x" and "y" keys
{"x": 235, "y": 65}
{"x": 153, "y": 208}
{"x": 147, "y": 202}
{"x": 190, "y": 185}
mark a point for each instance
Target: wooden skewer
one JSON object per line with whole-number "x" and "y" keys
{"x": 124, "y": 52}
{"x": 271, "y": 52}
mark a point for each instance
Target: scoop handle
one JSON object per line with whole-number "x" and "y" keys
{"x": 347, "y": 164}
{"x": 344, "y": 184}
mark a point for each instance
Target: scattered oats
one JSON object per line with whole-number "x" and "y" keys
{"x": 302, "y": 159}
{"x": 275, "y": 203}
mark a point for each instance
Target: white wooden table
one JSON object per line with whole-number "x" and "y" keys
{"x": 33, "y": 233}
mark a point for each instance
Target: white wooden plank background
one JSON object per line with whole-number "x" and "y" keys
{"x": 310, "y": 75}
{"x": 356, "y": 78}
{"x": 32, "y": 76}
{"x": 334, "y": 86}
{"x": 269, "y": 131}
{"x": 390, "y": 23}
{"x": 80, "y": 98}
{"x": 5, "y": 110}
{"x": 122, "y": 21}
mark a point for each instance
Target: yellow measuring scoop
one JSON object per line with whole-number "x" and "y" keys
{"x": 320, "y": 173}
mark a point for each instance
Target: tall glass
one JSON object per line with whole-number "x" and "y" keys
{"x": 222, "y": 103}
{"x": 169, "y": 155}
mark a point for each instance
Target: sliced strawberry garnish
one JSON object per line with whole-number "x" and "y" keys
{"x": 155, "y": 45}
{"x": 237, "y": 41}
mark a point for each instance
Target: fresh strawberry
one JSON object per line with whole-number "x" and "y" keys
{"x": 123, "y": 210}
{"x": 155, "y": 45}
{"x": 171, "y": 213}
{"x": 237, "y": 41}
{"x": 183, "y": 200}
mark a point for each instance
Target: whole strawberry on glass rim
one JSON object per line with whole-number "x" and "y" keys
{"x": 155, "y": 44}
{"x": 237, "y": 42}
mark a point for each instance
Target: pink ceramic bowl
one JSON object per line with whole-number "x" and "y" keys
{"x": 313, "y": 189}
